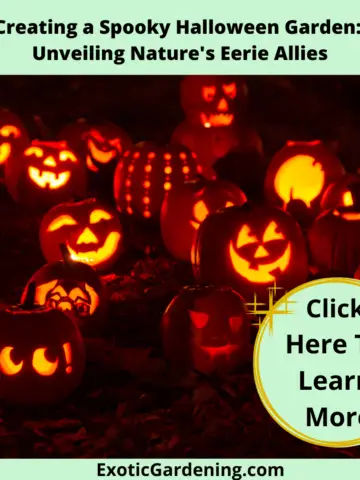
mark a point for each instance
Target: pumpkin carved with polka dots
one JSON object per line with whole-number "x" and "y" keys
{"x": 91, "y": 231}
{"x": 147, "y": 172}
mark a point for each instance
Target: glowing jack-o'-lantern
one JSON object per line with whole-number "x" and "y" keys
{"x": 187, "y": 205}
{"x": 207, "y": 329}
{"x": 72, "y": 286}
{"x": 45, "y": 174}
{"x": 343, "y": 193}
{"x": 147, "y": 172}
{"x": 297, "y": 177}
{"x": 250, "y": 249}
{"x": 13, "y": 136}
{"x": 91, "y": 231}
{"x": 42, "y": 356}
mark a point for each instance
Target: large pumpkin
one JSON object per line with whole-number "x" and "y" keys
{"x": 45, "y": 174}
{"x": 90, "y": 229}
{"x": 206, "y": 329}
{"x": 147, "y": 172}
{"x": 42, "y": 356}
{"x": 13, "y": 137}
{"x": 297, "y": 177}
{"x": 72, "y": 286}
{"x": 187, "y": 205}
{"x": 250, "y": 248}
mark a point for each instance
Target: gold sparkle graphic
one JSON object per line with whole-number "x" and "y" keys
{"x": 261, "y": 309}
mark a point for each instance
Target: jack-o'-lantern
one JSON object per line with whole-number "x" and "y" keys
{"x": 211, "y": 144}
{"x": 297, "y": 177}
{"x": 72, "y": 286}
{"x": 147, "y": 172}
{"x": 343, "y": 193}
{"x": 42, "y": 357}
{"x": 250, "y": 248}
{"x": 206, "y": 329}
{"x": 45, "y": 174}
{"x": 213, "y": 100}
{"x": 13, "y": 137}
{"x": 187, "y": 205}
{"x": 91, "y": 231}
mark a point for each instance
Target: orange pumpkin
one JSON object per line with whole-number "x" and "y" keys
{"x": 187, "y": 205}
{"x": 13, "y": 137}
{"x": 342, "y": 193}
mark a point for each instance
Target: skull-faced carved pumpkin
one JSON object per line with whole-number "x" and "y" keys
{"x": 211, "y": 144}
{"x": 250, "y": 249}
{"x": 72, "y": 286}
{"x": 13, "y": 137}
{"x": 206, "y": 329}
{"x": 213, "y": 100}
{"x": 297, "y": 177}
{"x": 343, "y": 193}
{"x": 91, "y": 231}
{"x": 45, "y": 174}
{"x": 42, "y": 357}
{"x": 147, "y": 172}
{"x": 187, "y": 205}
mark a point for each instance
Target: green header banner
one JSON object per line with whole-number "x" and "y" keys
{"x": 141, "y": 37}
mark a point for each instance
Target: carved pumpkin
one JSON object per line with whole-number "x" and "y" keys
{"x": 42, "y": 356}
{"x": 250, "y": 249}
{"x": 187, "y": 205}
{"x": 45, "y": 174}
{"x": 91, "y": 231}
{"x": 213, "y": 100}
{"x": 72, "y": 286}
{"x": 343, "y": 193}
{"x": 298, "y": 176}
{"x": 206, "y": 329}
{"x": 13, "y": 137}
{"x": 147, "y": 172}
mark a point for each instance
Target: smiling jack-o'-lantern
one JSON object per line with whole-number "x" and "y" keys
{"x": 206, "y": 329}
{"x": 147, "y": 172}
{"x": 91, "y": 231}
{"x": 250, "y": 249}
{"x": 297, "y": 177}
{"x": 13, "y": 137}
{"x": 42, "y": 356}
{"x": 72, "y": 286}
{"x": 187, "y": 205}
{"x": 46, "y": 173}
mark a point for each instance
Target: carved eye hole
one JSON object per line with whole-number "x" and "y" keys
{"x": 8, "y": 130}
{"x": 229, "y": 204}
{"x": 244, "y": 237}
{"x": 271, "y": 233}
{"x": 230, "y": 90}
{"x": 42, "y": 365}
{"x": 38, "y": 152}
{"x": 208, "y": 93}
{"x": 235, "y": 323}
{"x": 199, "y": 319}
{"x": 61, "y": 221}
{"x": 7, "y": 366}
{"x": 347, "y": 199}
{"x": 97, "y": 216}
{"x": 65, "y": 156}
{"x": 200, "y": 211}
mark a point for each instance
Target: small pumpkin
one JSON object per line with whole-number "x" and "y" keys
{"x": 45, "y": 174}
{"x": 342, "y": 193}
{"x": 42, "y": 356}
{"x": 13, "y": 136}
{"x": 91, "y": 231}
{"x": 72, "y": 286}
{"x": 250, "y": 248}
{"x": 187, "y": 205}
{"x": 147, "y": 172}
{"x": 297, "y": 177}
{"x": 206, "y": 329}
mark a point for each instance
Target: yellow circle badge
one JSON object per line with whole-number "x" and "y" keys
{"x": 307, "y": 362}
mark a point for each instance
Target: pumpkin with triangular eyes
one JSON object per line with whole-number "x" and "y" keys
{"x": 187, "y": 205}
{"x": 207, "y": 329}
{"x": 45, "y": 174}
{"x": 13, "y": 137}
{"x": 250, "y": 248}
{"x": 90, "y": 229}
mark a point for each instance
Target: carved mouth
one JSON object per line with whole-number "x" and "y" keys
{"x": 96, "y": 257}
{"x": 217, "y": 119}
{"x": 226, "y": 350}
{"x": 48, "y": 179}
{"x": 100, "y": 155}
{"x": 5, "y": 151}
{"x": 350, "y": 216}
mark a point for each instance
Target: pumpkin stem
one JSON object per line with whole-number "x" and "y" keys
{"x": 65, "y": 254}
{"x": 29, "y": 301}
{"x": 44, "y": 131}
